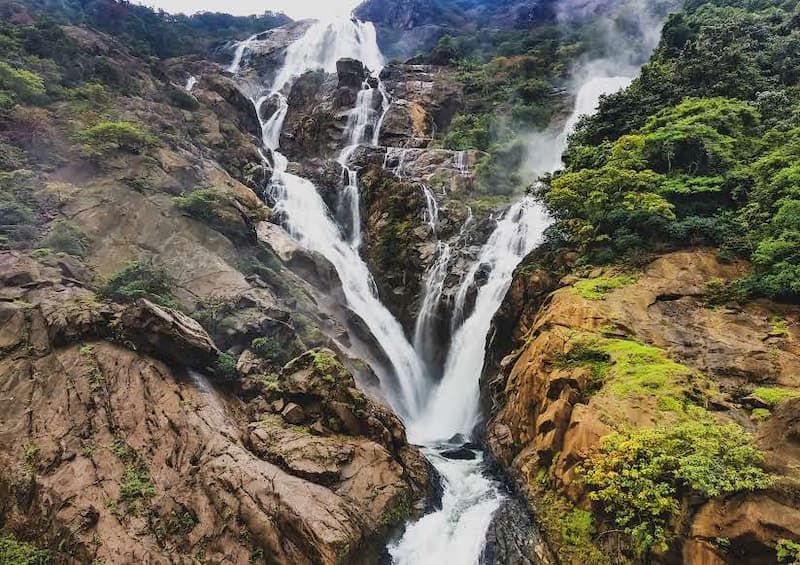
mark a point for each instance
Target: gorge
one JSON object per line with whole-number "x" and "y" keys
{"x": 436, "y": 282}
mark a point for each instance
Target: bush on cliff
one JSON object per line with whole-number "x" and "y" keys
{"x": 15, "y": 552}
{"x": 105, "y": 138}
{"x": 638, "y": 477}
{"x": 140, "y": 279}
{"x": 67, "y": 237}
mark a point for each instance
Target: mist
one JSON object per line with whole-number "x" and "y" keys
{"x": 623, "y": 35}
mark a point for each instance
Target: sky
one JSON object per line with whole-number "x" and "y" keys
{"x": 296, "y": 9}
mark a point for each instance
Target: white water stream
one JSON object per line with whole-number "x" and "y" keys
{"x": 433, "y": 411}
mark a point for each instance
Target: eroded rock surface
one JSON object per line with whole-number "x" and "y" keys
{"x": 109, "y": 453}
{"x": 547, "y": 414}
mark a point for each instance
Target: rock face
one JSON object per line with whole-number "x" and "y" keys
{"x": 107, "y": 453}
{"x": 424, "y": 100}
{"x": 547, "y": 413}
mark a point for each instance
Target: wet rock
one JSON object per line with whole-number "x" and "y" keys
{"x": 351, "y": 73}
{"x": 459, "y": 454}
{"x": 513, "y": 538}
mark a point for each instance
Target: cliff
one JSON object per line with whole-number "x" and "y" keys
{"x": 615, "y": 352}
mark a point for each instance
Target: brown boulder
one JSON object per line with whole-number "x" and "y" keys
{"x": 168, "y": 334}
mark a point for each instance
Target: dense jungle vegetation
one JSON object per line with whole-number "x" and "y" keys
{"x": 703, "y": 148}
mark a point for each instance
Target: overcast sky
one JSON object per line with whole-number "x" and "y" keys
{"x": 297, "y": 9}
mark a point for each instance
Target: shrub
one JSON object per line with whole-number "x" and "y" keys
{"x": 140, "y": 279}
{"x": 788, "y": 552}
{"x": 67, "y": 238}
{"x": 18, "y": 85}
{"x": 107, "y": 137}
{"x": 225, "y": 367}
{"x": 578, "y": 527}
{"x": 637, "y": 477}
{"x": 269, "y": 350}
{"x": 204, "y": 204}
{"x": 469, "y": 132}
{"x": 15, "y": 552}
{"x": 183, "y": 100}
{"x": 17, "y": 219}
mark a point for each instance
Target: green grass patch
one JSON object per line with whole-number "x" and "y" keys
{"x": 759, "y": 415}
{"x": 627, "y": 368}
{"x": 774, "y": 395}
{"x": 780, "y": 327}
{"x": 15, "y": 552}
{"x": 136, "y": 489}
{"x": 597, "y": 289}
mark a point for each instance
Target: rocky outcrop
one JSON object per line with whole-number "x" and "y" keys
{"x": 168, "y": 334}
{"x": 547, "y": 411}
{"x": 108, "y": 453}
{"x": 424, "y": 100}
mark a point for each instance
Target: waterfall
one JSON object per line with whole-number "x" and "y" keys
{"x": 453, "y": 407}
{"x": 431, "y": 213}
{"x": 363, "y": 125}
{"x": 456, "y": 533}
{"x": 425, "y": 338}
{"x": 310, "y": 223}
{"x": 272, "y": 127}
{"x": 190, "y": 82}
{"x": 350, "y": 201}
{"x": 400, "y": 154}
{"x": 386, "y": 103}
{"x": 241, "y": 47}
{"x": 461, "y": 164}
{"x": 324, "y": 43}
{"x": 432, "y": 411}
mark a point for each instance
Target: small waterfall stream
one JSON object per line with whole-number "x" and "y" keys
{"x": 362, "y": 127}
{"x": 436, "y": 414}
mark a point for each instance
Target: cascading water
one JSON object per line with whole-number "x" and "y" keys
{"x": 453, "y": 408}
{"x": 431, "y": 208}
{"x": 190, "y": 82}
{"x": 363, "y": 125}
{"x": 238, "y": 55}
{"x": 325, "y": 43}
{"x": 308, "y": 220}
{"x": 456, "y": 533}
{"x": 433, "y": 412}
{"x": 425, "y": 338}
{"x": 461, "y": 164}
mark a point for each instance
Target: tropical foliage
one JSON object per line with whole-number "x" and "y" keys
{"x": 702, "y": 148}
